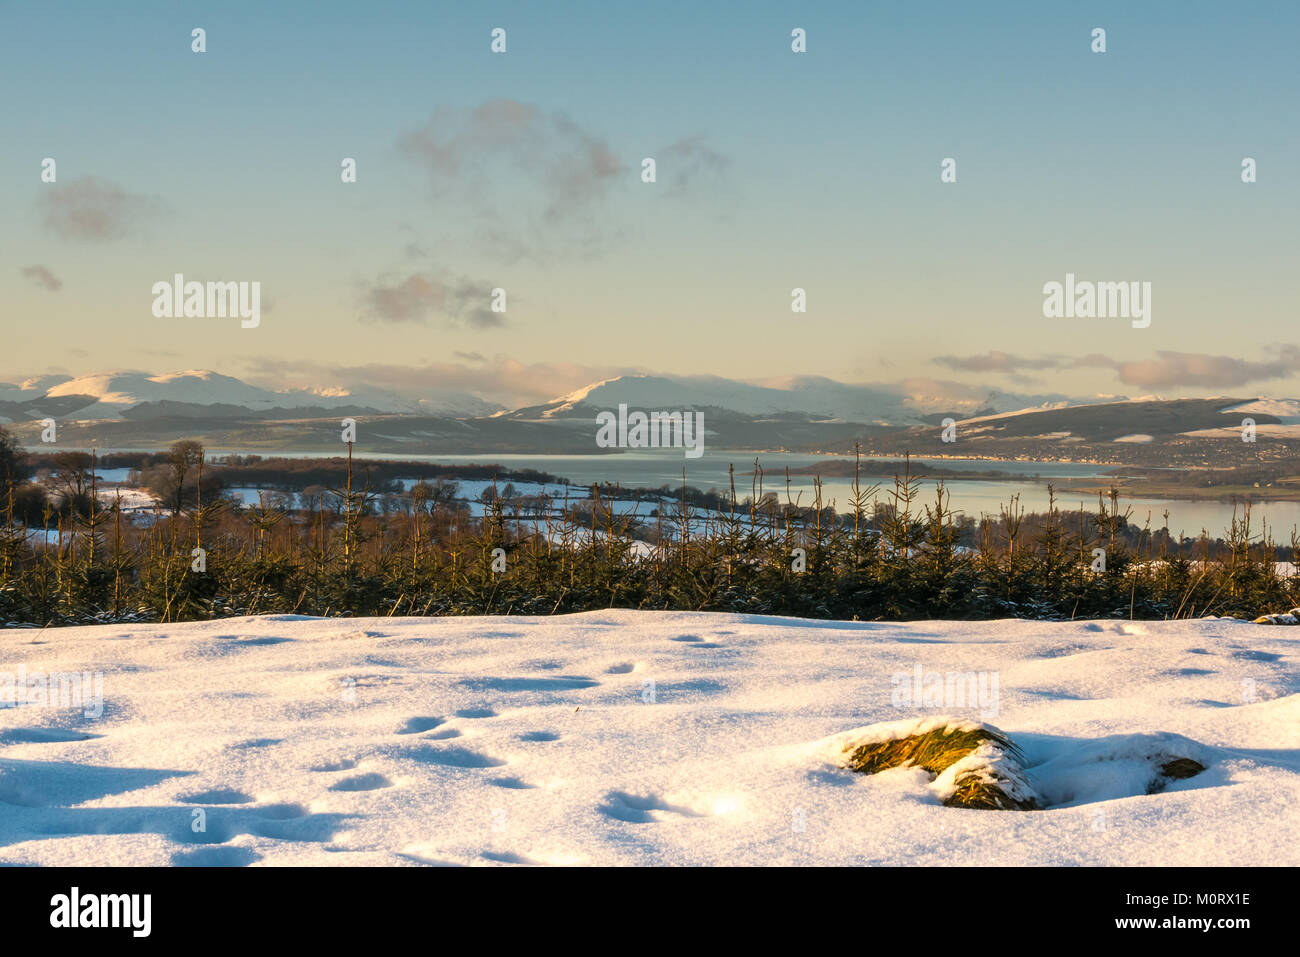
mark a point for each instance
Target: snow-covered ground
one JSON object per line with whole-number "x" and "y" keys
{"x": 623, "y": 737}
{"x": 131, "y": 498}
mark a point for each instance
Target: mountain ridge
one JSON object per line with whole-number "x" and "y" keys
{"x": 114, "y": 394}
{"x": 808, "y": 413}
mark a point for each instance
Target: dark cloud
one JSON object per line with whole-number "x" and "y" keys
{"x": 1001, "y": 362}
{"x": 688, "y": 162}
{"x": 566, "y": 169}
{"x": 420, "y": 297}
{"x": 94, "y": 210}
{"x": 1196, "y": 370}
{"x": 470, "y": 356}
{"x": 538, "y": 185}
{"x": 42, "y": 277}
{"x": 1166, "y": 370}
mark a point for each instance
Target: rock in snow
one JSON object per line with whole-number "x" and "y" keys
{"x": 1291, "y": 617}
{"x": 624, "y": 737}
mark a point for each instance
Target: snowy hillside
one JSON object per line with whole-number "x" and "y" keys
{"x": 117, "y": 391}
{"x": 627, "y": 737}
{"x": 814, "y": 396}
{"x": 109, "y": 395}
{"x": 1286, "y": 411}
{"x": 911, "y": 402}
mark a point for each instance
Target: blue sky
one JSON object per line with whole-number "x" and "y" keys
{"x": 776, "y": 170}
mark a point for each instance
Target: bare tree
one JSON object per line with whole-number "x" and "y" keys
{"x": 181, "y": 458}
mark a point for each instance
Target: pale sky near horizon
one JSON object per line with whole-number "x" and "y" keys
{"x": 775, "y": 170}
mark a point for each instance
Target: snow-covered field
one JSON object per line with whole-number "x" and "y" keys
{"x": 626, "y": 737}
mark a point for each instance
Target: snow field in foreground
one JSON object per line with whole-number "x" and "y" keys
{"x": 625, "y": 737}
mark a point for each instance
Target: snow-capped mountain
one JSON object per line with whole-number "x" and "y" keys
{"x": 1286, "y": 411}
{"x": 797, "y": 413}
{"x": 114, "y": 394}
{"x": 30, "y": 388}
{"x": 133, "y": 394}
{"x": 813, "y": 397}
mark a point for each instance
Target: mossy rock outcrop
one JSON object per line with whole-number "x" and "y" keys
{"x": 1291, "y": 617}
{"x": 974, "y": 765}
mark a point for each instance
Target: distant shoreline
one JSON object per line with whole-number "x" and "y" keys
{"x": 827, "y": 466}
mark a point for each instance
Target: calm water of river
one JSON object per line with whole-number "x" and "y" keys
{"x": 975, "y": 497}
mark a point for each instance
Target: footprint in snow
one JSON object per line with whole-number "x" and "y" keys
{"x": 216, "y": 856}
{"x": 222, "y": 824}
{"x": 1256, "y": 656}
{"x": 43, "y": 736}
{"x": 696, "y": 641}
{"x": 420, "y": 725}
{"x": 362, "y": 782}
{"x": 342, "y": 764}
{"x": 642, "y": 809}
{"x": 253, "y": 639}
{"x": 454, "y": 758}
{"x": 513, "y": 784}
{"x": 419, "y": 855}
{"x": 218, "y": 796}
{"x": 508, "y": 857}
